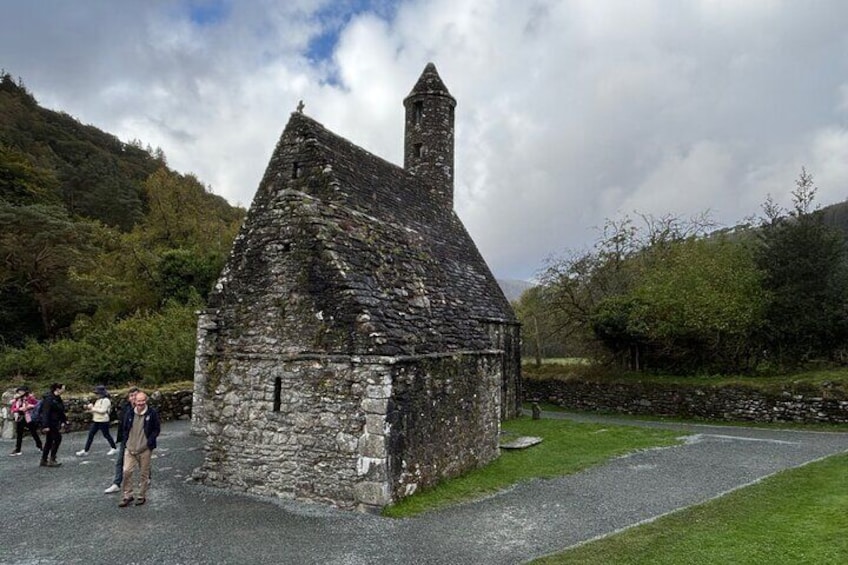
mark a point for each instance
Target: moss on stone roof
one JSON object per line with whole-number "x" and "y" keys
{"x": 344, "y": 252}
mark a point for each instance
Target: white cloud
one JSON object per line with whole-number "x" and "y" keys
{"x": 568, "y": 112}
{"x": 829, "y": 164}
{"x": 696, "y": 178}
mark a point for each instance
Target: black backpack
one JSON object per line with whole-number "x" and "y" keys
{"x": 35, "y": 415}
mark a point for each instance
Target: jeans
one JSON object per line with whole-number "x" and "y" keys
{"x": 51, "y": 444}
{"x": 119, "y": 465}
{"x": 102, "y": 427}
{"x": 20, "y": 426}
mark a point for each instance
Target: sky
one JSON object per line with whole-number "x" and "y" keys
{"x": 569, "y": 113}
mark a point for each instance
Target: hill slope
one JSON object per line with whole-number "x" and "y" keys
{"x": 513, "y": 288}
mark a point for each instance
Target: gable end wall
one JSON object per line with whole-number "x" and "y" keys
{"x": 443, "y": 418}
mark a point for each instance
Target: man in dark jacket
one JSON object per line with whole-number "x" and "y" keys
{"x": 125, "y": 408}
{"x": 140, "y": 430}
{"x": 53, "y": 420}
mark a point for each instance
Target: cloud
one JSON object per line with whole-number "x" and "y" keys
{"x": 829, "y": 160}
{"x": 568, "y": 112}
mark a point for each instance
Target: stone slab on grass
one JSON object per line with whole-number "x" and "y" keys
{"x": 522, "y": 442}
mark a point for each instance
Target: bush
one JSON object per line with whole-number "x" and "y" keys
{"x": 147, "y": 348}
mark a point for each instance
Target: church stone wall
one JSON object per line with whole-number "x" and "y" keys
{"x": 355, "y": 432}
{"x": 506, "y": 337}
{"x": 443, "y": 418}
{"x": 306, "y": 429}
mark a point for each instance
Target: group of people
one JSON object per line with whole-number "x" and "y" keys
{"x": 138, "y": 429}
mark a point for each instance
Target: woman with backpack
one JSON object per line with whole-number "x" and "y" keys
{"x": 22, "y": 406}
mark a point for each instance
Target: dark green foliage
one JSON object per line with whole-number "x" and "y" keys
{"x": 620, "y": 322}
{"x": 42, "y": 248}
{"x": 19, "y": 318}
{"x": 93, "y": 187}
{"x": 146, "y": 348}
{"x": 805, "y": 277}
{"x": 23, "y": 183}
{"x": 94, "y": 174}
{"x": 184, "y": 274}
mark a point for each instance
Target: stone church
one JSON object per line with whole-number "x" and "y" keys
{"x": 356, "y": 347}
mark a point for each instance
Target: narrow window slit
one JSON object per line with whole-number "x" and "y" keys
{"x": 278, "y": 389}
{"x": 418, "y": 112}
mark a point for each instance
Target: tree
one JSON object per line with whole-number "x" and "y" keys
{"x": 176, "y": 251}
{"x": 805, "y": 277}
{"x": 700, "y": 306}
{"x": 41, "y": 249}
{"x": 23, "y": 183}
{"x": 186, "y": 274}
{"x": 589, "y": 294}
{"x": 541, "y": 335}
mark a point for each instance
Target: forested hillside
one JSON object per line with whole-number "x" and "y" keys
{"x": 97, "y": 237}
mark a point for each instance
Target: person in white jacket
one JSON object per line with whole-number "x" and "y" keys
{"x": 99, "y": 420}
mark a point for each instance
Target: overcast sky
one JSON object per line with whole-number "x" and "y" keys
{"x": 569, "y": 112}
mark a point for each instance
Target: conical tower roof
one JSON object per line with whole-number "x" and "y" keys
{"x": 430, "y": 83}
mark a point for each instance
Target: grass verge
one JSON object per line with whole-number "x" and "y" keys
{"x": 567, "y": 447}
{"x": 797, "y": 516}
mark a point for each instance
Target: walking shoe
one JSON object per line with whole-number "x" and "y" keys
{"x": 140, "y": 501}
{"x": 82, "y": 453}
{"x": 125, "y": 502}
{"x": 112, "y": 451}
{"x": 43, "y": 463}
{"x": 111, "y": 489}
{"x": 14, "y": 453}
{"x": 54, "y": 463}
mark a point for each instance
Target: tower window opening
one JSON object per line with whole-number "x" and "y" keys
{"x": 418, "y": 149}
{"x": 297, "y": 170}
{"x": 278, "y": 389}
{"x": 417, "y": 112}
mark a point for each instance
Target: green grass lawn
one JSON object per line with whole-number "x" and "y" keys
{"x": 797, "y": 516}
{"x": 567, "y": 447}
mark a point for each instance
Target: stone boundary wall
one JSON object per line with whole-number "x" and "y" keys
{"x": 171, "y": 406}
{"x": 731, "y": 403}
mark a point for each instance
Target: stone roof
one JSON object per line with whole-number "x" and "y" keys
{"x": 430, "y": 83}
{"x": 352, "y": 255}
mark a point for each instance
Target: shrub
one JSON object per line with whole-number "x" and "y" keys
{"x": 147, "y": 348}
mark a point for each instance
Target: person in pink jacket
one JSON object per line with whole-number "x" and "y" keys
{"x": 22, "y": 406}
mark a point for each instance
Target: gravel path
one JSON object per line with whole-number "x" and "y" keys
{"x": 62, "y": 516}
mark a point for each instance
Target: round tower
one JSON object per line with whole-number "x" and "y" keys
{"x": 428, "y": 135}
